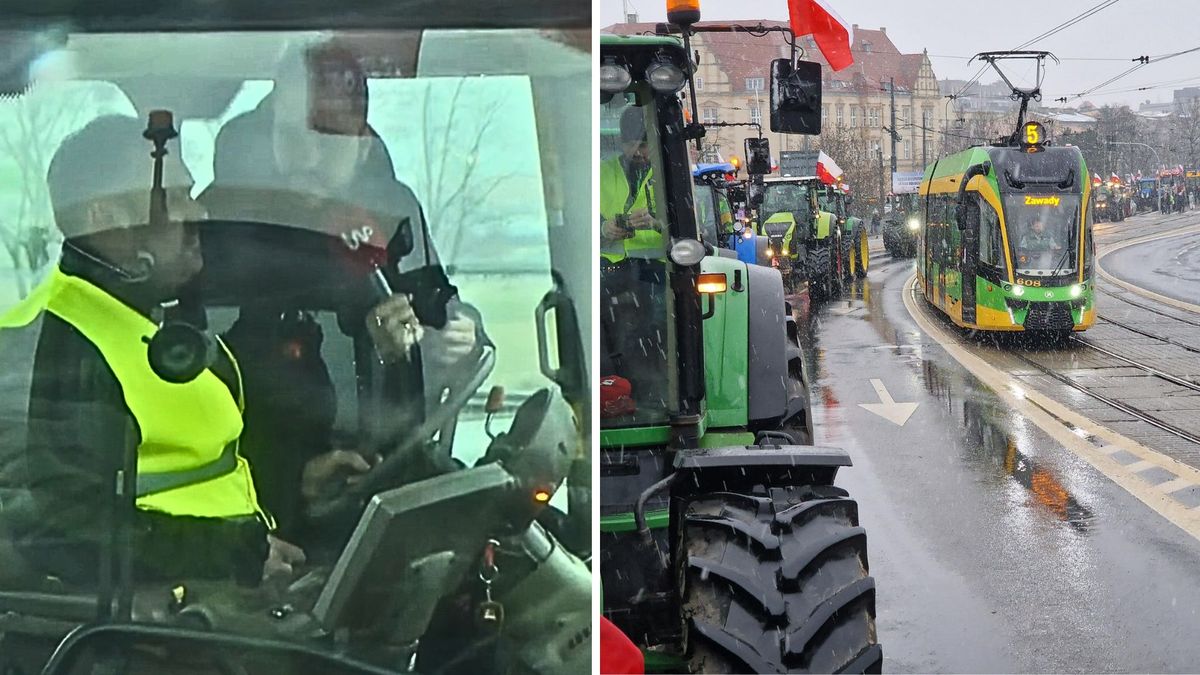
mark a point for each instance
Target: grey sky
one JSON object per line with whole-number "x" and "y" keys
{"x": 1127, "y": 29}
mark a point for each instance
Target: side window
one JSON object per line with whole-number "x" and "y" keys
{"x": 991, "y": 249}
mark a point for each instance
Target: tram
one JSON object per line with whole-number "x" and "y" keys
{"x": 1006, "y": 243}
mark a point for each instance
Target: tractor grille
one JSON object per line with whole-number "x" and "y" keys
{"x": 776, "y": 229}
{"x": 1049, "y": 316}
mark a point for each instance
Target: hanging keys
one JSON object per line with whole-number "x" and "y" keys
{"x": 489, "y": 614}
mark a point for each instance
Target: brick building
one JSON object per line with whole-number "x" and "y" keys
{"x": 733, "y": 77}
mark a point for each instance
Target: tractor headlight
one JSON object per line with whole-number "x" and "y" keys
{"x": 747, "y": 234}
{"x": 770, "y": 252}
{"x": 1018, "y": 290}
{"x": 914, "y": 224}
{"x": 785, "y": 250}
{"x": 1076, "y": 290}
{"x": 614, "y": 78}
{"x": 687, "y": 252}
{"x": 665, "y": 77}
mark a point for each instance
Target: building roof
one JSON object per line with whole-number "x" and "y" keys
{"x": 744, "y": 56}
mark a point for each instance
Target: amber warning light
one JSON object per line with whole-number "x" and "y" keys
{"x": 683, "y": 12}
{"x": 711, "y": 283}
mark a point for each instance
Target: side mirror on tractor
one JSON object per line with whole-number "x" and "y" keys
{"x": 795, "y": 97}
{"x": 758, "y": 156}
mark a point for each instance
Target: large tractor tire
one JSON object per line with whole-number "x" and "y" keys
{"x": 798, "y": 421}
{"x": 819, "y": 268}
{"x": 860, "y": 253}
{"x": 846, "y": 247}
{"x": 776, "y": 581}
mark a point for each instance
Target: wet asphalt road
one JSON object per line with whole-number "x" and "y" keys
{"x": 1169, "y": 267}
{"x": 994, "y": 548}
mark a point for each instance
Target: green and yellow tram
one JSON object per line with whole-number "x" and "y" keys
{"x": 1007, "y": 238}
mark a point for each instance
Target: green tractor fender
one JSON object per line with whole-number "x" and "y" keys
{"x": 706, "y": 469}
{"x": 824, "y": 224}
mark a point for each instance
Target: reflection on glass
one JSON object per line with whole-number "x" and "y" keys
{"x": 634, "y": 295}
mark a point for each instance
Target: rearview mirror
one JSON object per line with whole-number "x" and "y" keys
{"x": 758, "y": 156}
{"x": 795, "y": 97}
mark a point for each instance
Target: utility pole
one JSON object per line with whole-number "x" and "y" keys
{"x": 924, "y": 155}
{"x": 882, "y": 193}
{"x": 895, "y": 136}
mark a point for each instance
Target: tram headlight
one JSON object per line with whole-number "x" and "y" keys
{"x": 1018, "y": 290}
{"x": 1076, "y": 290}
{"x": 914, "y": 224}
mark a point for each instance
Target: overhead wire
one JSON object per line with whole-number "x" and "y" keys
{"x": 1135, "y": 68}
{"x": 1052, "y": 31}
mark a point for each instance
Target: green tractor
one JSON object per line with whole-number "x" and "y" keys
{"x": 811, "y": 235}
{"x": 725, "y": 545}
{"x": 902, "y": 225}
{"x": 853, "y": 252}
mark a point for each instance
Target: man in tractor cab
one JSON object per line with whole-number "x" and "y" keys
{"x": 632, "y": 268}
{"x": 627, "y": 222}
{"x": 310, "y": 138}
{"x": 92, "y": 392}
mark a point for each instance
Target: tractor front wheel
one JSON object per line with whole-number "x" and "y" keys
{"x": 775, "y": 581}
{"x": 819, "y": 268}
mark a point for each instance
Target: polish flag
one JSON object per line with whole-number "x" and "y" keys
{"x": 830, "y": 31}
{"x": 827, "y": 169}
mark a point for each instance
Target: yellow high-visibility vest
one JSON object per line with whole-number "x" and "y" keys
{"x": 188, "y": 462}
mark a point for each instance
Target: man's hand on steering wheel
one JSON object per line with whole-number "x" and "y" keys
{"x": 328, "y": 473}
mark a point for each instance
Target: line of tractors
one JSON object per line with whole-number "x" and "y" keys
{"x": 794, "y": 222}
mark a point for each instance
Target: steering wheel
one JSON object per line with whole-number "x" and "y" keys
{"x": 403, "y": 447}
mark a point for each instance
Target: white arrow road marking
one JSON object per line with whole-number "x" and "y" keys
{"x": 888, "y": 409}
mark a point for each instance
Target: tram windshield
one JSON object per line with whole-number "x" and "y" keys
{"x": 1043, "y": 231}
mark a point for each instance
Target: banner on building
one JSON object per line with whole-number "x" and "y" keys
{"x": 906, "y": 182}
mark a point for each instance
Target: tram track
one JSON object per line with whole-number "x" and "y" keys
{"x": 1126, "y": 408}
{"x": 1053, "y": 373}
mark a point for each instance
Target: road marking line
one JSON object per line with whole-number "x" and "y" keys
{"x": 1042, "y": 411}
{"x": 1179, "y": 304}
{"x": 1173, "y": 485}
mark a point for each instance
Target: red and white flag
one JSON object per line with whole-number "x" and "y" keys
{"x": 830, "y": 31}
{"x": 827, "y": 169}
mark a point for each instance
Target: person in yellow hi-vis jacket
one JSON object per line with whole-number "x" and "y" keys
{"x": 633, "y": 267}
{"x": 91, "y": 391}
{"x": 628, "y": 227}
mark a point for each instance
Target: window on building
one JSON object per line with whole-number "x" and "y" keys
{"x": 907, "y": 148}
{"x": 875, "y": 117}
{"x": 699, "y": 83}
{"x": 708, "y": 115}
{"x": 755, "y": 83}
{"x": 839, "y": 115}
{"x": 824, "y": 115}
{"x": 756, "y": 114}
{"x": 853, "y": 116}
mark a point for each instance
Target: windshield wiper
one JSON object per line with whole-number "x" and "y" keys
{"x": 1063, "y": 261}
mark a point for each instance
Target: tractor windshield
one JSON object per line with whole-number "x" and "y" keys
{"x": 637, "y": 382}
{"x": 348, "y": 239}
{"x": 784, "y": 197}
{"x": 706, "y": 214}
